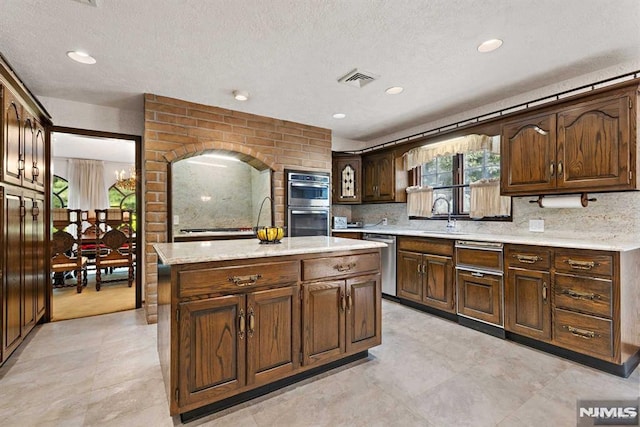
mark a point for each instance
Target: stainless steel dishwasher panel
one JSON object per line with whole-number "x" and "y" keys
{"x": 388, "y": 262}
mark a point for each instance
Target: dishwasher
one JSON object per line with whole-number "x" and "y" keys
{"x": 388, "y": 262}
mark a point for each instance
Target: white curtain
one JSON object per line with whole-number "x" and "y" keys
{"x": 463, "y": 144}
{"x": 87, "y": 188}
{"x": 419, "y": 201}
{"x": 486, "y": 200}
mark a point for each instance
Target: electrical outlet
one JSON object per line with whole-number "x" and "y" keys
{"x": 536, "y": 225}
{"x": 384, "y": 221}
{"x": 176, "y": 219}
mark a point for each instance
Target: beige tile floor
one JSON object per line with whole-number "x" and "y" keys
{"x": 103, "y": 371}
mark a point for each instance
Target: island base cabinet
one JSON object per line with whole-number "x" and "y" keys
{"x": 231, "y": 342}
{"x": 340, "y": 317}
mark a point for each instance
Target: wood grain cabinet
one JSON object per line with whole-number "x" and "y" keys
{"x": 577, "y": 147}
{"x": 528, "y": 291}
{"x": 233, "y": 341}
{"x": 384, "y": 178}
{"x": 347, "y": 179}
{"x": 425, "y": 272}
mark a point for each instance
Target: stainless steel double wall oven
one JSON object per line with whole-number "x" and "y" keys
{"x": 308, "y": 203}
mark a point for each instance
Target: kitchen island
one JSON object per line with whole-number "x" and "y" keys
{"x": 238, "y": 319}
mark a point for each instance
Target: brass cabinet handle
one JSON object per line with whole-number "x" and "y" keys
{"x": 343, "y": 302}
{"x": 559, "y": 168}
{"x": 582, "y": 333}
{"x": 35, "y": 171}
{"x": 241, "y": 324}
{"x": 552, "y": 169}
{"x": 252, "y": 321}
{"x": 245, "y": 280}
{"x": 345, "y": 267}
{"x": 424, "y": 268}
{"x": 477, "y": 274}
{"x": 580, "y": 295}
{"x": 580, "y": 265}
{"x": 20, "y": 164}
{"x": 544, "y": 292}
{"x": 419, "y": 268}
{"x": 35, "y": 211}
{"x": 349, "y": 301}
{"x": 527, "y": 259}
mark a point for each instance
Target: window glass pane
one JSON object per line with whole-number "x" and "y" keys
{"x": 60, "y": 192}
{"x": 466, "y": 201}
{"x": 481, "y": 164}
{"x": 442, "y": 200}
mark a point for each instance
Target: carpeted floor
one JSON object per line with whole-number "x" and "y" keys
{"x": 113, "y": 297}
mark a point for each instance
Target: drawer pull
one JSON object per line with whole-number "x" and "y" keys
{"x": 582, "y": 333}
{"x": 241, "y": 324}
{"x": 527, "y": 259}
{"x": 246, "y": 280}
{"x": 476, "y": 274}
{"x": 580, "y": 265}
{"x": 580, "y": 295}
{"x": 345, "y": 267}
{"x": 252, "y": 322}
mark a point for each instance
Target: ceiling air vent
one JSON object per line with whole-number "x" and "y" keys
{"x": 93, "y": 3}
{"x": 358, "y": 78}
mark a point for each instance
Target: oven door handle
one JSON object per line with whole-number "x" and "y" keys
{"x": 300, "y": 184}
{"x": 308, "y": 212}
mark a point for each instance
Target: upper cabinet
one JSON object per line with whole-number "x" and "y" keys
{"x": 383, "y": 178}
{"x": 347, "y": 179}
{"x": 580, "y": 147}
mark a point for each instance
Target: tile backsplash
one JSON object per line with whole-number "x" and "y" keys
{"x": 612, "y": 214}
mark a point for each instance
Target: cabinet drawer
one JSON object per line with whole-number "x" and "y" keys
{"x": 529, "y": 257}
{"x": 584, "y": 294}
{"x": 319, "y": 268}
{"x": 236, "y": 278}
{"x": 426, "y": 245}
{"x": 481, "y": 258}
{"x": 583, "y": 333}
{"x": 584, "y": 262}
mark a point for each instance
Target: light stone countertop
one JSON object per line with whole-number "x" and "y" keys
{"x": 621, "y": 243}
{"x": 225, "y": 250}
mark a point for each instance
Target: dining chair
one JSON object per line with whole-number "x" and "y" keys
{"x": 66, "y": 250}
{"x": 116, "y": 236}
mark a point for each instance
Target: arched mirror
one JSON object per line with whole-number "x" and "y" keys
{"x": 218, "y": 195}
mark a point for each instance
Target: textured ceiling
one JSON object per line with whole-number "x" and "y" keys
{"x": 289, "y": 54}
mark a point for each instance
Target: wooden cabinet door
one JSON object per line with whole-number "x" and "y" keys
{"x": 28, "y": 142}
{"x": 480, "y": 296}
{"x": 386, "y": 179}
{"x": 346, "y": 180}
{"x": 528, "y": 155}
{"x": 409, "y": 275}
{"x": 594, "y": 145}
{"x": 29, "y": 275}
{"x": 39, "y": 252}
{"x": 12, "y": 273}
{"x": 364, "y": 324}
{"x": 273, "y": 334}
{"x": 39, "y": 168}
{"x": 323, "y": 321}
{"x": 12, "y": 138}
{"x": 527, "y": 303}
{"x": 369, "y": 179}
{"x": 438, "y": 282}
{"x": 212, "y": 349}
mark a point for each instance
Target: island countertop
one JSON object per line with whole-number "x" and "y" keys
{"x": 224, "y": 250}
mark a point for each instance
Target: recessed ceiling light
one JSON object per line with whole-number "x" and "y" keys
{"x": 394, "y": 90}
{"x": 339, "y": 115}
{"x": 240, "y": 95}
{"x": 489, "y": 45}
{"x": 81, "y": 57}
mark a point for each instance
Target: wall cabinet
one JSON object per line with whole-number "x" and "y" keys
{"x": 384, "y": 178}
{"x": 347, "y": 179}
{"x": 425, "y": 272}
{"x": 578, "y": 147}
{"x": 527, "y": 297}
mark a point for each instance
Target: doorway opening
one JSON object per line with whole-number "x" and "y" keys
{"x": 96, "y": 174}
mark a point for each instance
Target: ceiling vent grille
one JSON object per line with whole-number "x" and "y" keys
{"x": 358, "y": 78}
{"x": 93, "y": 3}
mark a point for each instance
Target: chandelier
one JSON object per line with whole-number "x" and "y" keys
{"x": 124, "y": 183}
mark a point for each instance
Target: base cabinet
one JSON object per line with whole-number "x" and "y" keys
{"x": 480, "y": 296}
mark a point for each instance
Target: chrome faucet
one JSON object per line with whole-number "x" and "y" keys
{"x": 451, "y": 224}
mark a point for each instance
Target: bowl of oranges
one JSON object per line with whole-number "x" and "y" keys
{"x": 269, "y": 234}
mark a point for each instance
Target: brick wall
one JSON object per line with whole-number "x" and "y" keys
{"x": 176, "y": 129}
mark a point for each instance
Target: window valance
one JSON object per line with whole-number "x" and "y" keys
{"x": 463, "y": 144}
